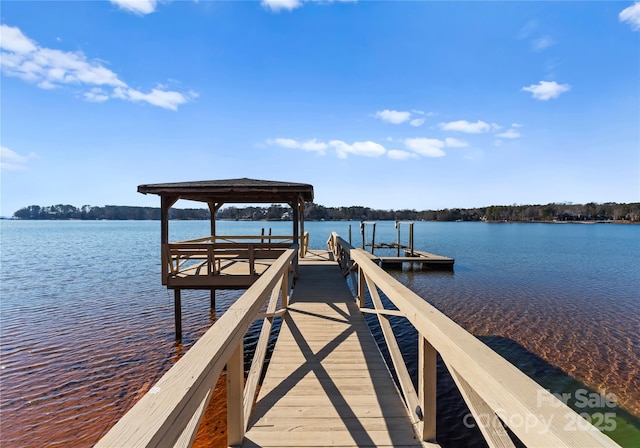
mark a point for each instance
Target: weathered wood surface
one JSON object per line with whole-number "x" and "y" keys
{"x": 175, "y": 402}
{"x": 327, "y": 384}
{"x": 223, "y": 262}
{"x": 488, "y": 382}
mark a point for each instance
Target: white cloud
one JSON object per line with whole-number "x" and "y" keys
{"x": 284, "y": 142}
{"x": 393, "y": 116}
{"x": 96, "y": 95}
{"x": 309, "y": 145}
{"x": 429, "y": 147}
{"x": 50, "y": 68}
{"x": 368, "y": 148}
{"x": 631, "y": 15}
{"x": 465, "y": 126}
{"x": 398, "y": 154}
{"x": 542, "y": 43}
{"x": 12, "y": 40}
{"x": 12, "y": 161}
{"x": 403, "y": 116}
{"x": 415, "y": 147}
{"x": 139, "y": 7}
{"x": 161, "y": 98}
{"x": 289, "y": 5}
{"x": 343, "y": 149}
{"x": 455, "y": 143}
{"x": 278, "y": 5}
{"x": 510, "y": 133}
{"x": 516, "y": 125}
{"x": 546, "y": 90}
{"x": 314, "y": 145}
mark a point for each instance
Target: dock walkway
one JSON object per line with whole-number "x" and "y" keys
{"x": 327, "y": 383}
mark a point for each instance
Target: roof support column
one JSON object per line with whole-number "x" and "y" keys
{"x": 213, "y": 209}
{"x": 165, "y": 204}
{"x": 301, "y": 201}
{"x": 296, "y": 216}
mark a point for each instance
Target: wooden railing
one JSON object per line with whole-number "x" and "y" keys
{"x": 496, "y": 392}
{"x": 169, "y": 414}
{"x": 206, "y": 256}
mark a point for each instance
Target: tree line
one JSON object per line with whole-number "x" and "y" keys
{"x": 315, "y": 212}
{"x": 108, "y": 212}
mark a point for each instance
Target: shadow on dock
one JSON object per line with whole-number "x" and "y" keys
{"x": 456, "y": 426}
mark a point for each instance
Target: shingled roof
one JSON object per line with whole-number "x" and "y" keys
{"x": 242, "y": 190}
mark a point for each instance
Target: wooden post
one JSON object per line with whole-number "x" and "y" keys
{"x": 398, "y": 238}
{"x": 361, "y": 287}
{"x": 252, "y": 264}
{"x": 349, "y": 233}
{"x": 213, "y": 208}
{"x": 165, "y": 204}
{"x": 177, "y": 309}
{"x": 411, "y": 238}
{"x": 362, "y": 232}
{"x": 373, "y": 238}
{"x": 235, "y": 402}
{"x": 296, "y": 214}
{"x": 301, "y": 225}
{"x": 285, "y": 289}
{"x": 427, "y": 388}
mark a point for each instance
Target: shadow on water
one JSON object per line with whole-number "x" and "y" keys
{"x": 456, "y": 427}
{"x": 597, "y": 407}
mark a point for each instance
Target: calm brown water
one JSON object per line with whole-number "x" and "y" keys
{"x": 86, "y": 328}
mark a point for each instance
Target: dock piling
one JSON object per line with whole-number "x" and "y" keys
{"x": 177, "y": 309}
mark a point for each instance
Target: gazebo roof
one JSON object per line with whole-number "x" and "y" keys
{"x": 242, "y": 190}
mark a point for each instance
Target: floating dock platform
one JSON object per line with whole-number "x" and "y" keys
{"x": 412, "y": 258}
{"x": 419, "y": 259}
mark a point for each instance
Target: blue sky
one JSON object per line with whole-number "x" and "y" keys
{"x": 390, "y": 105}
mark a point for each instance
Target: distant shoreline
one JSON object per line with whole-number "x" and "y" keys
{"x": 610, "y": 212}
{"x": 617, "y": 221}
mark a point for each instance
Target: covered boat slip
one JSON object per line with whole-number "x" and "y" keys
{"x": 225, "y": 262}
{"x": 217, "y": 253}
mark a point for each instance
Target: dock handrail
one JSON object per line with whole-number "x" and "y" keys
{"x": 209, "y": 252}
{"x": 494, "y": 390}
{"x": 170, "y": 412}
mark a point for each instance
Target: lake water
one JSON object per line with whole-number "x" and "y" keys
{"x": 86, "y": 327}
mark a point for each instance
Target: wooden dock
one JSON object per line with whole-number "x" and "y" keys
{"x": 417, "y": 258}
{"x": 327, "y": 383}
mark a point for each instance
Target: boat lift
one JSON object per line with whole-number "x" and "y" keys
{"x": 405, "y": 253}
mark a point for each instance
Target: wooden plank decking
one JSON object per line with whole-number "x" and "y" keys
{"x": 327, "y": 384}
